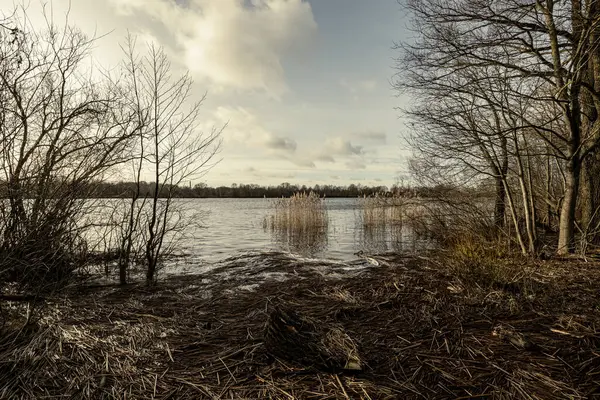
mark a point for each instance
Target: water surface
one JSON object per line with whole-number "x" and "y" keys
{"x": 233, "y": 226}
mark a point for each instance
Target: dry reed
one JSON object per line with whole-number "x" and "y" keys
{"x": 300, "y": 213}
{"x": 381, "y": 211}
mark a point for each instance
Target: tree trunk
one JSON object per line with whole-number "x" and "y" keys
{"x": 589, "y": 189}
{"x": 590, "y": 168}
{"x": 500, "y": 205}
{"x": 515, "y": 219}
{"x": 566, "y": 232}
{"x": 548, "y": 218}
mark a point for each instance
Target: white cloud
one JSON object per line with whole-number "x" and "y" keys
{"x": 356, "y": 164}
{"x": 231, "y": 43}
{"x": 245, "y": 134}
{"x": 244, "y": 129}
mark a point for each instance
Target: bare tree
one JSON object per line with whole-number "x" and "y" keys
{"x": 61, "y": 129}
{"x": 545, "y": 49}
{"x": 170, "y": 148}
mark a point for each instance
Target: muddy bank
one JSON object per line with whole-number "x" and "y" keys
{"x": 422, "y": 333}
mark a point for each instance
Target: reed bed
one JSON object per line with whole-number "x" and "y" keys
{"x": 422, "y": 332}
{"x": 461, "y": 227}
{"x": 300, "y": 213}
{"x": 381, "y": 211}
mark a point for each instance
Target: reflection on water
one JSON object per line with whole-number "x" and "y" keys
{"x": 380, "y": 239}
{"x": 227, "y": 227}
{"x": 379, "y": 224}
{"x": 309, "y": 243}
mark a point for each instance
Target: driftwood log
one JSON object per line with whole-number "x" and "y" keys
{"x": 302, "y": 340}
{"x": 16, "y": 297}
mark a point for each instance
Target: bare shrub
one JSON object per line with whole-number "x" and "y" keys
{"x": 61, "y": 129}
{"x": 169, "y": 146}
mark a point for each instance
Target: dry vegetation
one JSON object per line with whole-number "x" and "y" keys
{"x": 502, "y": 118}
{"x": 380, "y": 211}
{"x": 300, "y": 213}
{"x": 299, "y": 222}
{"x": 472, "y": 321}
{"x": 425, "y": 328}
{"x": 381, "y": 220}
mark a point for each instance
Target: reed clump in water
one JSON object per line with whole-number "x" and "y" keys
{"x": 381, "y": 211}
{"x": 300, "y": 213}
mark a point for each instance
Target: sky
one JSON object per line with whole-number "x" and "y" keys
{"x": 303, "y": 85}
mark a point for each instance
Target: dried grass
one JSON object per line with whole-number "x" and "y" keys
{"x": 421, "y": 332}
{"x": 381, "y": 211}
{"x": 450, "y": 221}
{"x": 300, "y": 213}
{"x": 299, "y": 223}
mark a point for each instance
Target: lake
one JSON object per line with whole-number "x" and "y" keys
{"x": 233, "y": 226}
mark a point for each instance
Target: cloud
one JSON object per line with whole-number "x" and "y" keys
{"x": 356, "y": 164}
{"x": 301, "y": 162}
{"x": 325, "y": 158}
{"x": 378, "y": 137}
{"x": 242, "y": 125}
{"x": 280, "y": 176}
{"x": 245, "y": 134}
{"x": 244, "y": 128}
{"x": 341, "y": 146}
{"x": 281, "y": 143}
{"x": 236, "y": 44}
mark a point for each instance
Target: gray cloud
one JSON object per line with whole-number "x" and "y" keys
{"x": 325, "y": 158}
{"x": 298, "y": 160}
{"x": 378, "y": 137}
{"x": 302, "y": 162}
{"x": 281, "y": 143}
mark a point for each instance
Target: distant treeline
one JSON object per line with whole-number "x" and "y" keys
{"x": 126, "y": 189}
